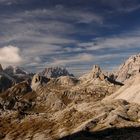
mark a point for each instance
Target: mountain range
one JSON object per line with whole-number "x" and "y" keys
{"x": 55, "y": 105}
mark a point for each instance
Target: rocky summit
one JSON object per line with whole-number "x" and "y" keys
{"x": 13, "y": 70}
{"x": 129, "y": 68}
{"x": 54, "y": 72}
{"x": 55, "y": 105}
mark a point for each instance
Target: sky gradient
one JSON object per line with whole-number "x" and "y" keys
{"x": 73, "y": 33}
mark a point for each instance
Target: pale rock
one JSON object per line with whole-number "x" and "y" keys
{"x": 37, "y": 81}
{"x": 67, "y": 81}
{"x": 129, "y": 68}
{"x": 55, "y": 72}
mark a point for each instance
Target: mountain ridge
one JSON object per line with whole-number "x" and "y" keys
{"x": 50, "y": 107}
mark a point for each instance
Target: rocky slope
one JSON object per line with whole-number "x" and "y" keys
{"x": 129, "y": 68}
{"x": 70, "y": 108}
{"x": 50, "y": 108}
{"x": 69, "y": 120}
{"x": 130, "y": 91}
{"x": 96, "y": 84}
{"x": 129, "y": 73}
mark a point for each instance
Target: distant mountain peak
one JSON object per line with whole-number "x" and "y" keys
{"x": 54, "y": 72}
{"x": 96, "y": 69}
{"x": 96, "y": 72}
{"x": 15, "y": 70}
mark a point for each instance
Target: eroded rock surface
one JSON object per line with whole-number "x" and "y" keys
{"x": 70, "y": 108}
{"x": 129, "y": 68}
{"x": 55, "y": 72}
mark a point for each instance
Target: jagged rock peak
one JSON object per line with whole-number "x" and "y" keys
{"x": 15, "y": 70}
{"x": 55, "y": 72}
{"x": 37, "y": 81}
{"x": 95, "y": 73}
{"x": 96, "y": 69}
{"x": 129, "y": 68}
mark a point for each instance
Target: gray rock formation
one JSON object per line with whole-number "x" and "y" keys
{"x": 130, "y": 91}
{"x": 19, "y": 97}
{"x": 14, "y": 70}
{"x": 37, "y": 81}
{"x": 54, "y": 72}
{"x": 5, "y": 83}
{"x": 62, "y": 107}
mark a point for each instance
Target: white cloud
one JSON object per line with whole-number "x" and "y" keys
{"x": 118, "y": 42}
{"x": 43, "y": 49}
{"x": 9, "y": 2}
{"x": 42, "y": 34}
{"x": 75, "y": 16}
{"x": 80, "y": 58}
{"x": 125, "y": 6}
{"x": 82, "y": 62}
{"x": 10, "y": 55}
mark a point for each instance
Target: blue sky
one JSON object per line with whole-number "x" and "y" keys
{"x": 76, "y": 34}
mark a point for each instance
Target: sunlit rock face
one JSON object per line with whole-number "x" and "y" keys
{"x": 130, "y": 91}
{"x": 67, "y": 81}
{"x": 95, "y": 73}
{"x": 38, "y": 81}
{"x": 129, "y": 68}
{"x": 62, "y": 106}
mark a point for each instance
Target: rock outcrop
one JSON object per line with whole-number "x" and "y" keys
{"x": 37, "y": 81}
{"x": 6, "y": 81}
{"x": 129, "y": 68}
{"x": 63, "y": 107}
{"x": 95, "y": 73}
{"x": 97, "y": 83}
{"x": 13, "y": 70}
{"x": 19, "y": 97}
{"x": 67, "y": 81}
{"x": 130, "y": 91}
{"x": 86, "y": 117}
{"x": 55, "y": 72}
